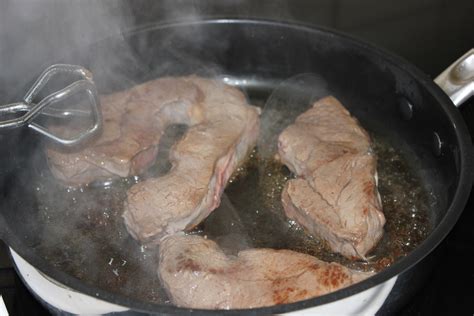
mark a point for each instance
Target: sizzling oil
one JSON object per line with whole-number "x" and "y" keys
{"x": 84, "y": 234}
{"x": 256, "y": 192}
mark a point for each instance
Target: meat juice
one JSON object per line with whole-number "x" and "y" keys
{"x": 405, "y": 205}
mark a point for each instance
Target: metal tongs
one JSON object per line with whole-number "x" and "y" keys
{"x": 46, "y": 105}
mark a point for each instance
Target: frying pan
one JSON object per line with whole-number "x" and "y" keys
{"x": 389, "y": 96}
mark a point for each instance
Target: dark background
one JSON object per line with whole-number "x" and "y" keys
{"x": 429, "y": 33}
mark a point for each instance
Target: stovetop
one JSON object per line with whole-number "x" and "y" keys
{"x": 430, "y": 34}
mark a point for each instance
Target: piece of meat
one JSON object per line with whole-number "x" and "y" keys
{"x": 202, "y": 162}
{"x": 133, "y": 122}
{"x": 196, "y": 273}
{"x": 335, "y": 195}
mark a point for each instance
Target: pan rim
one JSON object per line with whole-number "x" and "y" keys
{"x": 428, "y": 245}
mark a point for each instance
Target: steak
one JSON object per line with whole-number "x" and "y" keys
{"x": 202, "y": 162}
{"x": 335, "y": 194}
{"x": 133, "y": 122}
{"x": 196, "y": 273}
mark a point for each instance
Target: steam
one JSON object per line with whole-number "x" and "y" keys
{"x": 290, "y": 98}
{"x": 35, "y": 33}
{"x": 81, "y": 230}
{"x": 78, "y": 224}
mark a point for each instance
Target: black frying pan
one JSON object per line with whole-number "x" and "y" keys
{"x": 375, "y": 86}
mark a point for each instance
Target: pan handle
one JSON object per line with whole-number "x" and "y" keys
{"x": 458, "y": 79}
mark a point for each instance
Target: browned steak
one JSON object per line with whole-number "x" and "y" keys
{"x": 134, "y": 121}
{"x": 335, "y": 195}
{"x": 198, "y": 274}
{"x": 202, "y": 162}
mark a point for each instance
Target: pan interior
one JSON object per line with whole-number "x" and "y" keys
{"x": 81, "y": 232}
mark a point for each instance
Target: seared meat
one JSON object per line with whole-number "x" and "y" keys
{"x": 134, "y": 121}
{"x": 198, "y": 274}
{"x": 202, "y": 162}
{"x": 335, "y": 195}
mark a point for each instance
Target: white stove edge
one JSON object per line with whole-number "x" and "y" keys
{"x": 60, "y": 296}
{"x": 3, "y": 308}
{"x": 52, "y": 292}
